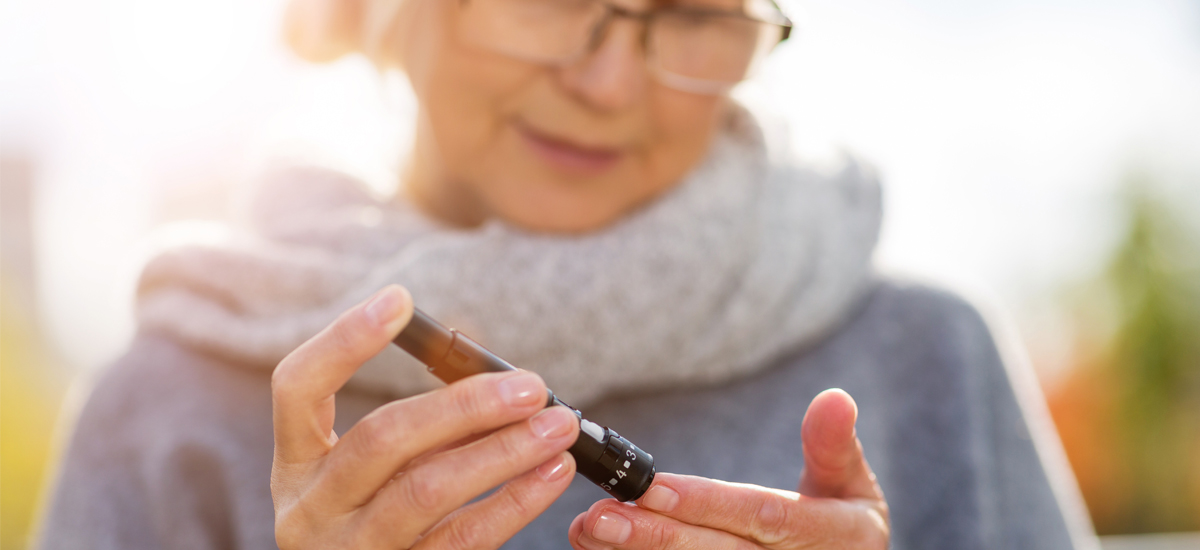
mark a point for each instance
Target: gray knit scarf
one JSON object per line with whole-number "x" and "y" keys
{"x": 748, "y": 258}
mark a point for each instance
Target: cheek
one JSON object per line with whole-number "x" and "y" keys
{"x": 683, "y": 127}
{"x": 468, "y": 98}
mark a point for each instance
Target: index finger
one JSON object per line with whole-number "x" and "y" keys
{"x": 304, "y": 383}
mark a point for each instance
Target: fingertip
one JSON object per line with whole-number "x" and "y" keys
{"x": 578, "y": 539}
{"x": 569, "y": 460}
{"x": 831, "y": 416}
{"x": 405, "y": 294}
{"x": 390, "y": 308}
{"x": 660, "y": 498}
{"x": 576, "y": 527}
{"x": 837, "y": 397}
{"x": 520, "y": 389}
{"x": 557, "y": 469}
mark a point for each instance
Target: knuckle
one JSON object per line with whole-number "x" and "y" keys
{"x": 282, "y": 378}
{"x": 771, "y": 521}
{"x": 517, "y": 500}
{"x": 422, "y": 492}
{"x": 873, "y": 531}
{"x": 462, "y": 535}
{"x": 885, "y": 513}
{"x": 663, "y": 535}
{"x": 871, "y": 539}
{"x": 471, "y": 400}
{"x": 510, "y": 446}
{"x": 880, "y": 541}
{"x": 341, "y": 338}
{"x": 379, "y": 433}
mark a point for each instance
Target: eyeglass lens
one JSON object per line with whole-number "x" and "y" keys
{"x": 696, "y": 49}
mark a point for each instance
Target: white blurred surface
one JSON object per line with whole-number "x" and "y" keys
{"x": 1164, "y": 541}
{"x": 1001, "y": 127}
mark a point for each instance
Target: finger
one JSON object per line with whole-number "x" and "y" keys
{"x": 427, "y": 493}
{"x": 430, "y": 454}
{"x": 764, "y": 515}
{"x": 490, "y": 522}
{"x": 389, "y": 438}
{"x": 834, "y": 465}
{"x": 574, "y": 530}
{"x": 610, "y": 524}
{"x": 303, "y": 384}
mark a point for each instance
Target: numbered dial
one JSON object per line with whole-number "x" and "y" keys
{"x": 612, "y": 462}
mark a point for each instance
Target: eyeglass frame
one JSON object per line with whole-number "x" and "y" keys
{"x": 646, "y": 17}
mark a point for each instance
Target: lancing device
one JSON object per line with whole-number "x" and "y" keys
{"x": 601, "y": 455}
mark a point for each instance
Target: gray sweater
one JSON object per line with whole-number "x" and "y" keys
{"x": 173, "y": 448}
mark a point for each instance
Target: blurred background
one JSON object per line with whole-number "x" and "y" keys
{"x": 1042, "y": 157}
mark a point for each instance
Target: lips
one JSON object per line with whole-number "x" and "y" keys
{"x": 569, "y": 156}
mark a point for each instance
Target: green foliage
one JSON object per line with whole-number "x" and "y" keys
{"x": 1154, "y": 287}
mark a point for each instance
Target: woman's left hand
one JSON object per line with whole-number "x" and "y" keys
{"x": 839, "y": 503}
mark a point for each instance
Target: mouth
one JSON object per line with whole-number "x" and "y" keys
{"x": 567, "y": 155}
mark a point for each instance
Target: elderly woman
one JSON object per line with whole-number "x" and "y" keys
{"x": 584, "y": 198}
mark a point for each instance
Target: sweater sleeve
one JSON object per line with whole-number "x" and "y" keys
{"x": 98, "y": 499}
{"x": 957, "y": 428}
{"x": 1031, "y": 499}
{"x": 148, "y": 464}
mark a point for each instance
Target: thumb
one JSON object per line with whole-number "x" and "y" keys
{"x": 834, "y": 466}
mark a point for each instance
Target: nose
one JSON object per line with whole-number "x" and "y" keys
{"x": 613, "y": 76}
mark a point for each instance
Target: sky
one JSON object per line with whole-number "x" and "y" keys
{"x": 1001, "y": 128}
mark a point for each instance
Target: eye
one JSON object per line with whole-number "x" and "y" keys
{"x": 693, "y": 18}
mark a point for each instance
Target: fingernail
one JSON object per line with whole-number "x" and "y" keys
{"x": 522, "y": 390}
{"x": 384, "y": 307}
{"x": 612, "y": 528}
{"x": 660, "y": 498}
{"x": 553, "y": 469}
{"x": 552, "y": 422}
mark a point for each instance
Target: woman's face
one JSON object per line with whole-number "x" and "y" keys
{"x": 549, "y": 148}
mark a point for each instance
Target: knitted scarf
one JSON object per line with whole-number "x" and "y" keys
{"x": 747, "y": 258}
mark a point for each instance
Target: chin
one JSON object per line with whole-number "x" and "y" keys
{"x": 553, "y": 211}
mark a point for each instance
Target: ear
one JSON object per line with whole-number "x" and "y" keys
{"x": 323, "y": 30}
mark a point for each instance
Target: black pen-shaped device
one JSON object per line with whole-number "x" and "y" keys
{"x": 601, "y": 455}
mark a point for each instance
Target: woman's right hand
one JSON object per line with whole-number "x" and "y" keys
{"x": 403, "y": 476}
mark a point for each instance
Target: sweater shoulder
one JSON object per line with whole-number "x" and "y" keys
{"x": 169, "y": 445}
{"x": 915, "y": 301}
{"x": 161, "y": 396}
{"x": 917, "y": 316}
{"x": 159, "y": 384}
{"x": 919, "y": 352}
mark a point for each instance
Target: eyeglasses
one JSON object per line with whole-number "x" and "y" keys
{"x": 696, "y": 49}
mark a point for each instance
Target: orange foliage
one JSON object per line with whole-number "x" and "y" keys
{"x": 1083, "y": 405}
